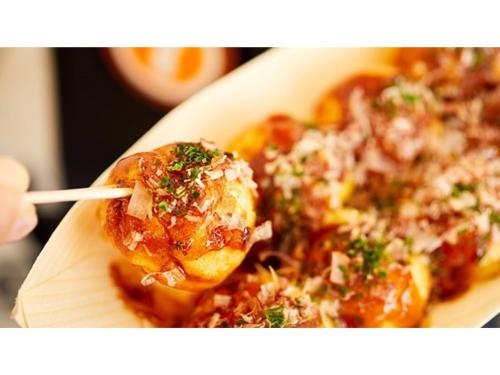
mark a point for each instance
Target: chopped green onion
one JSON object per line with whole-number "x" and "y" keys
{"x": 275, "y": 316}
{"x": 163, "y": 206}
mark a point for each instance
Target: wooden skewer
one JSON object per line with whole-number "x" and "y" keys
{"x": 100, "y": 192}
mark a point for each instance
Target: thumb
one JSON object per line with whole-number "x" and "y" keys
{"x": 10, "y": 203}
{"x": 16, "y": 218}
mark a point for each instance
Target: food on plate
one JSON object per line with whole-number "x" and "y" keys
{"x": 386, "y": 202}
{"x": 157, "y": 304}
{"x": 257, "y": 299}
{"x": 191, "y": 218}
{"x": 360, "y": 275}
{"x": 303, "y": 177}
{"x": 167, "y": 76}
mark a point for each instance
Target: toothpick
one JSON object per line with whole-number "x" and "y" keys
{"x": 101, "y": 192}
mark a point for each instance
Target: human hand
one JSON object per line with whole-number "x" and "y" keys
{"x": 17, "y": 218}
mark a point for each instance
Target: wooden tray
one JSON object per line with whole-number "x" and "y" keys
{"x": 69, "y": 284}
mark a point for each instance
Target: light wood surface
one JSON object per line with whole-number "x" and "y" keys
{"x": 69, "y": 285}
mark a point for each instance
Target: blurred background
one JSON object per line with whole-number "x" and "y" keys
{"x": 68, "y": 113}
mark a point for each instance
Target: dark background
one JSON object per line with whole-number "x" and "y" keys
{"x": 100, "y": 117}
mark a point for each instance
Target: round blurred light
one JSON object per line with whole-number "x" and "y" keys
{"x": 167, "y": 76}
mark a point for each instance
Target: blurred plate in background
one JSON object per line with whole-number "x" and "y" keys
{"x": 167, "y": 76}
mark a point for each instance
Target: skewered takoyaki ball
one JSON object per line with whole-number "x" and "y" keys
{"x": 368, "y": 288}
{"x": 191, "y": 218}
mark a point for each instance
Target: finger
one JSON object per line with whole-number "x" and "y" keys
{"x": 13, "y": 175}
{"x": 10, "y": 203}
{"x": 25, "y": 222}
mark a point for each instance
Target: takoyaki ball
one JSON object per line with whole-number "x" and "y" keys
{"x": 368, "y": 288}
{"x": 455, "y": 265}
{"x": 455, "y": 73}
{"x": 191, "y": 218}
{"x": 416, "y": 62}
{"x": 303, "y": 190}
{"x": 277, "y": 132}
{"x": 300, "y": 176}
{"x": 260, "y": 299}
{"x": 467, "y": 79}
{"x": 157, "y": 305}
{"x": 335, "y": 108}
{"x": 383, "y": 119}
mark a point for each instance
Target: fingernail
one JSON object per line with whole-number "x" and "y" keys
{"x": 24, "y": 224}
